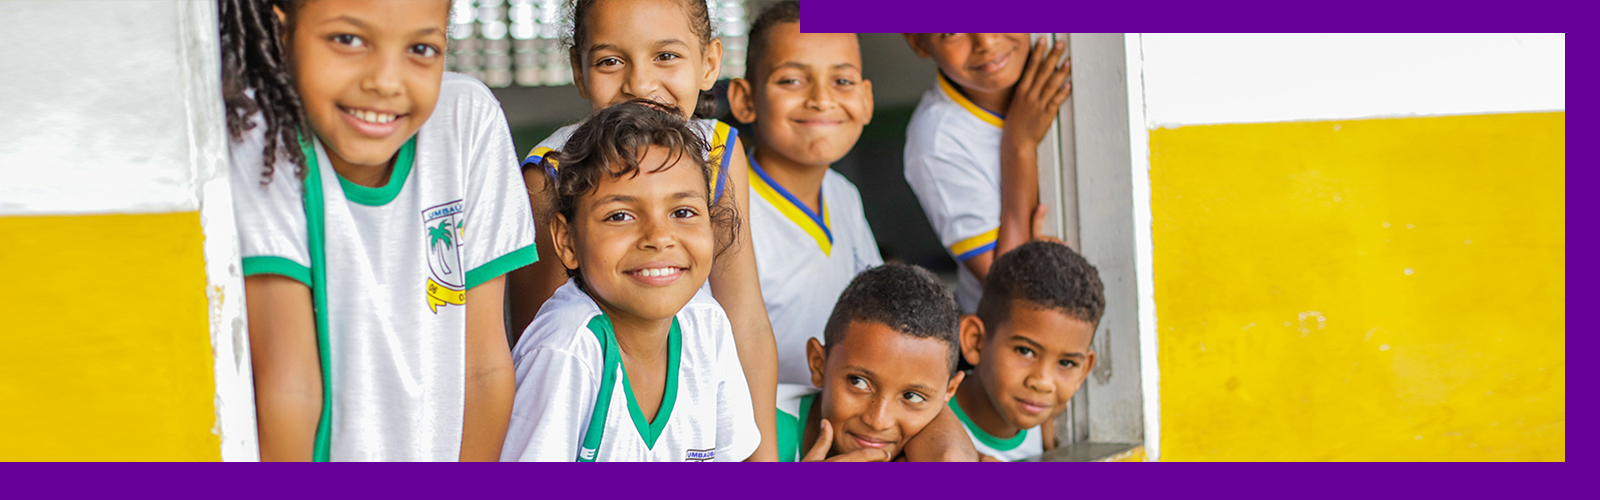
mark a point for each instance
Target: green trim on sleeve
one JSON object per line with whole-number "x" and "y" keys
{"x": 792, "y": 429}
{"x": 276, "y": 265}
{"x": 321, "y": 450}
{"x": 501, "y": 265}
{"x": 652, "y": 429}
{"x": 379, "y": 196}
{"x": 984, "y": 436}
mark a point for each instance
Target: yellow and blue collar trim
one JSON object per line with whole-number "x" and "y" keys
{"x": 792, "y": 208}
{"x": 722, "y": 140}
{"x": 954, "y": 94}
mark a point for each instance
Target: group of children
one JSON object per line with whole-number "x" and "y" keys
{"x": 671, "y": 297}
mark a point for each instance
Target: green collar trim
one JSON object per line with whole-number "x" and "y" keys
{"x": 985, "y": 437}
{"x": 650, "y": 430}
{"x": 316, "y": 241}
{"x": 380, "y": 196}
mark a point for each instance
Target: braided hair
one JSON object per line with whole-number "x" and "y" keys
{"x": 578, "y": 11}
{"x": 254, "y": 58}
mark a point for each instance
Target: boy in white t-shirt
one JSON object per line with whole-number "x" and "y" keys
{"x": 877, "y": 390}
{"x": 808, "y": 103}
{"x": 632, "y": 360}
{"x": 1030, "y": 348}
{"x": 972, "y": 145}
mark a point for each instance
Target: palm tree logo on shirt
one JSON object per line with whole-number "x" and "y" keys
{"x": 442, "y": 234}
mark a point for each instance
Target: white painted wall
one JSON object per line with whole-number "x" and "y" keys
{"x": 116, "y": 107}
{"x": 1194, "y": 79}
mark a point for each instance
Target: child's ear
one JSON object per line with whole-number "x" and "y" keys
{"x": 972, "y": 335}
{"x": 741, "y": 97}
{"x": 561, "y": 239}
{"x": 1088, "y": 366}
{"x": 713, "y": 55}
{"x": 915, "y": 41}
{"x": 866, "y": 85}
{"x": 955, "y": 382}
{"x": 817, "y": 359}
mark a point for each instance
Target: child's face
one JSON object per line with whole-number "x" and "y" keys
{"x": 979, "y": 62}
{"x": 1032, "y": 364}
{"x": 644, "y": 243}
{"x": 812, "y": 101}
{"x": 368, "y": 72}
{"x": 645, "y": 49}
{"x": 880, "y": 387}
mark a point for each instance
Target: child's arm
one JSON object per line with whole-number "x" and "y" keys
{"x": 490, "y": 384}
{"x": 1047, "y": 434}
{"x": 735, "y": 285}
{"x": 287, "y": 369}
{"x": 530, "y": 286}
{"x": 1034, "y": 104}
{"x": 943, "y": 440}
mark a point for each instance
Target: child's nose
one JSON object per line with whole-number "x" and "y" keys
{"x": 985, "y": 42}
{"x": 821, "y": 97}
{"x": 877, "y": 416}
{"x": 640, "y": 83}
{"x": 383, "y": 78}
{"x": 657, "y": 234}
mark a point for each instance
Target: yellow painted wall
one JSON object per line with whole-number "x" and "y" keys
{"x": 105, "y": 353}
{"x": 1378, "y": 289}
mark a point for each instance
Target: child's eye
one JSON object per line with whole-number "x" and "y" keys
{"x": 684, "y": 213}
{"x": 1026, "y": 352}
{"x": 914, "y": 397}
{"x": 619, "y": 217}
{"x": 608, "y": 62}
{"x": 844, "y": 82}
{"x": 348, "y": 39}
{"x": 667, "y": 56}
{"x": 858, "y": 382}
{"x": 424, "y": 50}
{"x": 1067, "y": 363}
{"x": 789, "y": 81}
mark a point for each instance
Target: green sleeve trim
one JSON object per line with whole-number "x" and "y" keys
{"x": 792, "y": 429}
{"x": 985, "y": 437}
{"x": 379, "y": 196}
{"x": 501, "y": 265}
{"x": 276, "y": 265}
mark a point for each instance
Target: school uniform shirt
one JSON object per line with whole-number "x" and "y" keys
{"x": 953, "y": 165}
{"x": 705, "y": 412}
{"x": 794, "y": 405}
{"x": 390, "y": 267}
{"x": 1027, "y": 443}
{"x": 719, "y": 136}
{"x": 805, "y": 260}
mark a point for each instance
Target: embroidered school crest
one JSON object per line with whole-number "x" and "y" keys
{"x": 442, "y": 227}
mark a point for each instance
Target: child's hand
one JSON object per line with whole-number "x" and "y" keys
{"x": 819, "y": 451}
{"x": 1038, "y": 226}
{"x": 1038, "y": 95}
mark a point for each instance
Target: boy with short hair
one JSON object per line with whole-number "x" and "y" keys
{"x": 808, "y": 102}
{"x": 1029, "y": 346}
{"x": 883, "y": 377}
{"x": 972, "y": 145}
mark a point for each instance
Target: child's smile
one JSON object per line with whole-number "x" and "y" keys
{"x": 643, "y": 242}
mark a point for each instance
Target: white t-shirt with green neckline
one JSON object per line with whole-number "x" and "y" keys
{"x": 389, "y": 268}
{"x": 1027, "y": 443}
{"x": 705, "y": 413}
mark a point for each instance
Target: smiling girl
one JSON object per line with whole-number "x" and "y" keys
{"x": 631, "y": 360}
{"x": 378, "y": 208}
{"x": 663, "y": 51}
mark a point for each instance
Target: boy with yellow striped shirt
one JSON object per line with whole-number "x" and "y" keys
{"x": 808, "y": 103}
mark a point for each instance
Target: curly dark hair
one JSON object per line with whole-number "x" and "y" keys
{"x": 254, "y": 58}
{"x": 905, "y": 297}
{"x": 699, "y": 22}
{"x": 1042, "y": 274}
{"x": 612, "y": 142}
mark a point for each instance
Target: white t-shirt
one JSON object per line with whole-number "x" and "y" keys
{"x": 389, "y": 268}
{"x": 805, "y": 260}
{"x": 1027, "y": 443}
{"x": 705, "y": 413}
{"x": 720, "y": 138}
{"x": 794, "y": 406}
{"x": 953, "y": 165}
